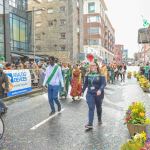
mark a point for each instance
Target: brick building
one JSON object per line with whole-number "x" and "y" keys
{"x": 98, "y": 31}
{"x": 118, "y": 53}
{"x": 58, "y": 28}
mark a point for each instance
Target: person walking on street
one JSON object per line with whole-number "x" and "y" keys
{"x": 95, "y": 94}
{"x": 53, "y": 78}
{"x": 76, "y": 83}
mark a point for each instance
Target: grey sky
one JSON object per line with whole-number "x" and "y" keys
{"x": 125, "y": 16}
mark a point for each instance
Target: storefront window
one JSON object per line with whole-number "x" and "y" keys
{"x": 18, "y": 27}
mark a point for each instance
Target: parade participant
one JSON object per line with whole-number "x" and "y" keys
{"x": 112, "y": 74}
{"x": 95, "y": 94}
{"x": 4, "y": 88}
{"x": 146, "y": 70}
{"x": 53, "y": 77}
{"x": 83, "y": 72}
{"x": 76, "y": 83}
{"x": 103, "y": 71}
{"x": 120, "y": 71}
{"x": 66, "y": 77}
{"x": 124, "y": 68}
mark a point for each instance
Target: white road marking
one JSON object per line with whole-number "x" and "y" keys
{"x": 46, "y": 120}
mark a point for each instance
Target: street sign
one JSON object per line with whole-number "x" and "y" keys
{"x": 144, "y": 35}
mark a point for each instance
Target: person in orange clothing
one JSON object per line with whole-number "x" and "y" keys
{"x": 104, "y": 72}
{"x": 76, "y": 83}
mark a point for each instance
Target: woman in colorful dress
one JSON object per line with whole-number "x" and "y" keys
{"x": 66, "y": 76}
{"x": 76, "y": 83}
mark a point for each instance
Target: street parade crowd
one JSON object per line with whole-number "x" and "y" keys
{"x": 57, "y": 77}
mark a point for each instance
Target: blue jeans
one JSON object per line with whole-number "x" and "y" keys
{"x": 53, "y": 96}
{"x": 92, "y": 101}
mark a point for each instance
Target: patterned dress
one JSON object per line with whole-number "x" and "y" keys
{"x": 76, "y": 83}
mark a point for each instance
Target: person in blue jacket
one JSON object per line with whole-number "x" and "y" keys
{"x": 95, "y": 94}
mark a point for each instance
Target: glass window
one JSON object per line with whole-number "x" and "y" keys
{"x": 1, "y": 37}
{"x": 22, "y": 31}
{"x": 91, "y": 7}
{"x": 93, "y": 42}
{"x": 50, "y": 10}
{"x": 1, "y": 20}
{"x": 62, "y": 35}
{"x": 62, "y": 9}
{"x": 38, "y": 12}
{"x": 12, "y": 3}
{"x": 93, "y": 30}
{"x": 62, "y": 21}
{"x": 1, "y": 48}
{"x": 93, "y": 19}
{"x": 15, "y": 30}
{"x": 62, "y": 47}
{"x": 38, "y": 24}
{"x": 50, "y": 23}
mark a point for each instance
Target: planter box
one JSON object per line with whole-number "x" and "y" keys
{"x": 133, "y": 129}
{"x": 145, "y": 89}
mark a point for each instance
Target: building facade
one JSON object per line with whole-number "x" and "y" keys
{"x": 58, "y": 29}
{"x": 125, "y": 55}
{"x": 98, "y": 31}
{"x": 143, "y": 57}
{"x": 118, "y": 53}
{"x": 14, "y": 22}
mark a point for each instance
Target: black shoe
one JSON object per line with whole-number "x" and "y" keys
{"x": 59, "y": 108}
{"x": 88, "y": 126}
{"x": 52, "y": 113}
{"x": 99, "y": 122}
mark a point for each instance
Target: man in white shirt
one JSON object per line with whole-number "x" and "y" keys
{"x": 53, "y": 78}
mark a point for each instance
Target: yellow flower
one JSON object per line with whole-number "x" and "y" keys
{"x": 147, "y": 121}
{"x": 143, "y": 135}
{"x": 142, "y": 114}
{"x": 135, "y": 110}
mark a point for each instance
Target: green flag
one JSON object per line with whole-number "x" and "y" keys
{"x": 146, "y": 24}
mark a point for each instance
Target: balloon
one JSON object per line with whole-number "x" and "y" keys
{"x": 90, "y": 57}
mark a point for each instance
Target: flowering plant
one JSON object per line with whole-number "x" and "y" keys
{"x": 129, "y": 75}
{"x": 137, "y": 142}
{"x": 144, "y": 83}
{"x": 136, "y": 114}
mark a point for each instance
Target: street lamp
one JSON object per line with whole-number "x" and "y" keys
{"x": 34, "y": 28}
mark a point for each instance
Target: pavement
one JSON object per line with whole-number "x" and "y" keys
{"x": 29, "y": 127}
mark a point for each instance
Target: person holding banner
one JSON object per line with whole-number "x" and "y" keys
{"x": 53, "y": 78}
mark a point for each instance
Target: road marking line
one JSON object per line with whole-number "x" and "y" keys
{"x": 46, "y": 120}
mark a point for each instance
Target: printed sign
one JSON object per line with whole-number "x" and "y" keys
{"x": 21, "y": 81}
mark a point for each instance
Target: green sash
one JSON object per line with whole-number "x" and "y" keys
{"x": 52, "y": 74}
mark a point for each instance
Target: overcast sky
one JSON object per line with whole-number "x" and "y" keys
{"x": 125, "y": 16}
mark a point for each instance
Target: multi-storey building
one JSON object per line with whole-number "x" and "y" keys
{"x": 99, "y": 35}
{"x": 118, "y": 53}
{"x": 13, "y": 28}
{"x": 57, "y": 27}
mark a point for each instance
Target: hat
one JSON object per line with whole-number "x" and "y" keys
{"x": 1, "y": 66}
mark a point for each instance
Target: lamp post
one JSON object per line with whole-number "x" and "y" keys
{"x": 34, "y": 28}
